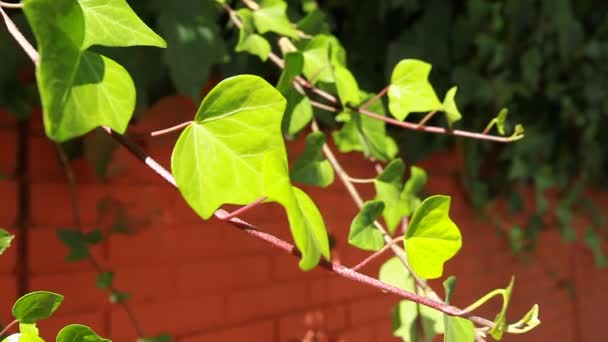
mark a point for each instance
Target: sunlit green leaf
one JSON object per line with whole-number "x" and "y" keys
{"x": 363, "y": 232}
{"x": 5, "y": 240}
{"x": 78, "y": 333}
{"x": 450, "y": 108}
{"x": 410, "y": 90}
{"x": 271, "y": 17}
{"x": 389, "y": 187}
{"x": 113, "y": 23}
{"x": 311, "y": 167}
{"x": 501, "y": 118}
{"x": 35, "y": 306}
{"x": 346, "y": 85}
{"x": 500, "y": 322}
{"x": 320, "y": 53}
{"x": 432, "y": 237}
{"x": 393, "y": 272}
{"x": 249, "y": 41}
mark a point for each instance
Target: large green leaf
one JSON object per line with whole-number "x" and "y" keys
{"x": 410, "y": 90}
{"x": 194, "y": 43}
{"x": 432, "y": 237}
{"x": 35, "y": 306}
{"x": 363, "y": 232}
{"x": 113, "y": 23}
{"x": 389, "y": 188}
{"x": 249, "y": 41}
{"x": 5, "y": 240}
{"x": 271, "y": 17}
{"x": 365, "y": 134}
{"x": 78, "y": 333}
{"x": 79, "y": 90}
{"x": 234, "y": 153}
{"x": 219, "y": 158}
{"x": 311, "y": 167}
{"x": 299, "y": 110}
{"x": 305, "y": 221}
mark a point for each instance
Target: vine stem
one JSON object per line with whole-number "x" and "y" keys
{"x": 376, "y": 254}
{"x": 21, "y": 40}
{"x": 7, "y": 327}
{"x": 171, "y": 129}
{"x": 340, "y": 270}
{"x": 10, "y": 5}
{"x": 241, "y": 210}
{"x": 361, "y": 180}
{"x": 69, "y": 172}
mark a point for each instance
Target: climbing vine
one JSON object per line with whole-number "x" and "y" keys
{"x": 233, "y": 150}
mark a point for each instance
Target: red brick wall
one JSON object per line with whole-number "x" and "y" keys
{"x": 206, "y": 281}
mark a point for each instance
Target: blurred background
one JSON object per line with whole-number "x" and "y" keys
{"x": 534, "y": 208}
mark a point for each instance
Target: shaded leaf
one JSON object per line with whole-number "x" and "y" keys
{"x": 159, "y": 338}
{"x": 311, "y": 167}
{"x": 5, "y": 240}
{"x": 299, "y": 110}
{"x": 363, "y": 232}
{"x": 249, "y": 41}
{"x": 104, "y": 280}
{"x": 389, "y": 187}
{"x": 78, "y": 333}
{"x": 75, "y": 242}
{"x": 119, "y": 296}
{"x": 271, "y": 17}
{"x": 35, "y": 306}
{"x": 394, "y": 273}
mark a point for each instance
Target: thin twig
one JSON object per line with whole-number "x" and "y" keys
{"x": 376, "y": 254}
{"x": 375, "y": 98}
{"x": 324, "y": 107}
{"x": 21, "y": 40}
{"x": 11, "y": 5}
{"x": 426, "y": 118}
{"x": 361, "y": 180}
{"x": 171, "y": 129}
{"x": 241, "y": 210}
{"x": 7, "y": 327}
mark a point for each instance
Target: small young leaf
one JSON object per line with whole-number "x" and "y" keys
{"x": 501, "y": 118}
{"x": 94, "y": 237}
{"x": 35, "y": 306}
{"x": 159, "y": 338}
{"x": 432, "y": 237}
{"x": 5, "y": 240}
{"x": 449, "y": 285}
{"x": 299, "y": 110}
{"x": 29, "y": 329}
{"x": 518, "y": 133}
{"x": 311, "y": 167}
{"x": 119, "y": 296}
{"x": 75, "y": 242}
{"x": 113, "y": 23}
{"x": 27, "y": 333}
{"x": 104, "y": 280}
{"x": 249, "y": 41}
{"x": 410, "y": 90}
{"x": 363, "y": 233}
{"x": 416, "y": 182}
{"x": 389, "y": 186}
{"x": 500, "y": 323}
{"x": 528, "y": 322}
{"x": 77, "y": 333}
{"x": 450, "y": 108}
{"x": 271, "y": 17}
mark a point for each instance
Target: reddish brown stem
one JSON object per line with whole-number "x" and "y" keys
{"x": 375, "y": 98}
{"x": 171, "y": 129}
{"x": 376, "y": 254}
{"x": 241, "y": 210}
{"x": 7, "y": 327}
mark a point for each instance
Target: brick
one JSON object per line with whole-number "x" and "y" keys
{"x": 285, "y": 268}
{"x": 322, "y": 320}
{"x": 44, "y": 163}
{"x": 9, "y": 198}
{"x": 168, "y": 315}
{"x": 275, "y": 300}
{"x": 47, "y": 254}
{"x": 263, "y": 331}
{"x": 383, "y": 331}
{"x": 364, "y": 333}
{"x": 51, "y": 205}
{"x": 78, "y": 288}
{"x": 8, "y": 296}
{"x": 145, "y": 283}
{"x": 7, "y": 120}
{"x": 223, "y": 276}
{"x": 371, "y": 309}
{"x": 51, "y": 326}
{"x": 187, "y": 242}
{"x": 144, "y": 204}
{"x": 8, "y": 160}
{"x": 339, "y": 289}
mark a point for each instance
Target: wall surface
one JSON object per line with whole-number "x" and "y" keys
{"x": 207, "y": 281}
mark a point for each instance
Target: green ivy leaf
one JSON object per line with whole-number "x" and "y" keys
{"x": 93, "y": 237}
{"x": 450, "y": 108}
{"x": 389, "y": 187}
{"x": 194, "y": 43}
{"x": 119, "y": 296}
{"x": 363, "y": 233}
{"x": 593, "y": 241}
{"x": 219, "y": 158}
{"x": 113, "y": 23}
{"x": 410, "y": 90}
{"x": 413, "y": 186}
{"x": 234, "y": 149}
{"x": 311, "y": 167}
{"x": 501, "y": 118}
{"x": 75, "y": 242}
{"x": 299, "y": 110}
{"x": 5, "y": 240}
{"x": 500, "y": 323}
{"x": 393, "y": 272}
{"x": 104, "y": 280}
{"x": 77, "y": 333}
{"x": 249, "y": 41}
{"x": 528, "y": 322}
{"x": 346, "y": 85}
{"x": 404, "y": 317}
{"x": 320, "y": 54}
{"x": 365, "y": 134}
{"x": 159, "y": 338}
{"x": 432, "y": 237}
{"x": 305, "y": 221}
{"x": 35, "y": 306}
{"x": 271, "y": 17}
{"x": 27, "y": 333}
{"x": 457, "y": 329}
